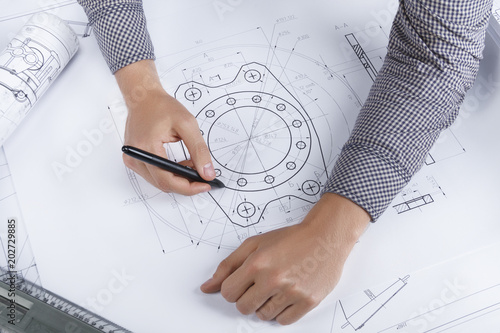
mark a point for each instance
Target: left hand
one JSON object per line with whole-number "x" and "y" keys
{"x": 285, "y": 273}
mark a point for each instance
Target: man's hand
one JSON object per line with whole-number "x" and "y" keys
{"x": 156, "y": 118}
{"x": 285, "y": 273}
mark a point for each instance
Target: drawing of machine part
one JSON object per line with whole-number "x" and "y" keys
{"x": 29, "y": 64}
{"x": 264, "y": 145}
{"x": 358, "y": 310}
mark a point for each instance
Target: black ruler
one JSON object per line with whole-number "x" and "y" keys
{"x": 28, "y": 308}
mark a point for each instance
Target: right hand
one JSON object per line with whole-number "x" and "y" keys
{"x": 157, "y": 118}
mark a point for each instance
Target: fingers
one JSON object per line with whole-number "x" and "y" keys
{"x": 294, "y": 312}
{"x": 285, "y": 302}
{"x": 227, "y": 267}
{"x": 164, "y": 180}
{"x": 169, "y": 182}
{"x": 287, "y": 306}
{"x": 254, "y": 298}
{"x": 269, "y": 296}
{"x": 200, "y": 154}
{"x": 276, "y": 296}
{"x": 266, "y": 275}
{"x": 162, "y": 119}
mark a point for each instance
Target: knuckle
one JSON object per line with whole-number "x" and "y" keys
{"x": 303, "y": 295}
{"x": 259, "y": 263}
{"x": 224, "y": 266}
{"x": 243, "y": 308}
{"x": 248, "y": 241}
{"x": 261, "y": 315}
{"x": 285, "y": 320}
{"x": 201, "y": 148}
{"x": 281, "y": 297}
{"x": 311, "y": 301}
{"x": 276, "y": 283}
{"x": 187, "y": 122}
{"x": 226, "y": 293}
{"x": 266, "y": 312}
{"x": 297, "y": 292}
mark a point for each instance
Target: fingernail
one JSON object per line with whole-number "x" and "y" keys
{"x": 208, "y": 170}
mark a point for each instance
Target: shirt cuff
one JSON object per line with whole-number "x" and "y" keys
{"x": 121, "y": 31}
{"x": 367, "y": 177}
{"x": 433, "y": 58}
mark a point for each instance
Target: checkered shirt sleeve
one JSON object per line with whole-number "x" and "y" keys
{"x": 120, "y": 29}
{"x": 433, "y": 58}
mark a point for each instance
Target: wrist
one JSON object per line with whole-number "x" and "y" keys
{"x": 339, "y": 219}
{"x": 139, "y": 83}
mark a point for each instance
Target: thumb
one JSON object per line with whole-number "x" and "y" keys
{"x": 200, "y": 155}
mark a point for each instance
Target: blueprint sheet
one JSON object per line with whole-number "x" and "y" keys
{"x": 298, "y": 73}
{"x": 10, "y": 209}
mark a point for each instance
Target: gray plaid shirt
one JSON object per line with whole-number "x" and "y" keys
{"x": 433, "y": 57}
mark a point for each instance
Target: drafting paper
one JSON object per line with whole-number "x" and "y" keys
{"x": 139, "y": 256}
{"x": 30, "y": 63}
{"x": 494, "y": 28}
{"x": 459, "y": 295}
{"x": 10, "y": 210}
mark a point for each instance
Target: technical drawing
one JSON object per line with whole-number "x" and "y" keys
{"x": 414, "y": 203}
{"x": 447, "y": 146}
{"x": 241, "y": 129}
{"x": 30, "y": 8}
{"x": 9, "y": 209}
{"x": 82, "y": 29}
{"x": 361, "y": 54}
{"x": 422, "y": 191}
{"x": 126, "y": 212}
{"x": 439, "y": 298}
{"x": 496, "y": 12}
{"x": 465, "y": 314}
{"x": 29, "y": 64}
{"x": 274, "y": 126}
{"x": 357, "y": 317}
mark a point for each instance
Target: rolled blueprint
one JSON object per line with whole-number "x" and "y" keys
{"x": 29, "y": 65}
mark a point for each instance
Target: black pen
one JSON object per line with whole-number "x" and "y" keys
{"x": 173, "y": 167}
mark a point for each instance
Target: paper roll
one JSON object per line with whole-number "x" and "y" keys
{"x": 29, "y": 64}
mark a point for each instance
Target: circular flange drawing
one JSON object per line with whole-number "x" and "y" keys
{"x": 224, "y": 218}
{"x": 246, "y": 209}
{"x": 260, "y": 143}
{"x": 193, "y": 94}
{"x": 253, "y": 76}
{"x": 310, "y": 187}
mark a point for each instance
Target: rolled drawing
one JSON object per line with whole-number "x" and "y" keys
{"x": 29, "y": 65}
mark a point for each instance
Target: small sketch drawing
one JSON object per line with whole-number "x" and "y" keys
{"x": 362, "y": 56}
{"x": 447, "y": 146}
{"x": 357, "y": 316}
{"x": 82, "y": 29}
{"x": 414, "y": 203}
{"x": 422, "y": 191}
